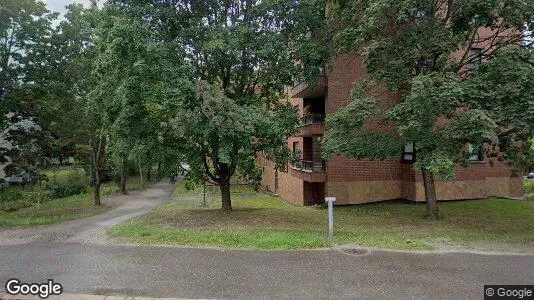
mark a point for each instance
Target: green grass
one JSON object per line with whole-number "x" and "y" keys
{"x": 270, "y": 223}
{"x": 66, "y": 174}
{"x": 529, "y": 186}
{"x": 53, "y": 211}
{"x": 62, "y": 209}
{"x": 181, "y": 190}
{"x": 132, "y": 184}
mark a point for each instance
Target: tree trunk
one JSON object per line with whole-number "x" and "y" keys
{"x": 430, "y": 194}
{"x": 97, "y": 187}
{"x": 225, "y": 196}
{"x": 98, "y": 160}
{"x": 140, "y": 173}
{"x": 224, "y": 185}
{"x": 123, "y": 177}
{"x": 97, "y": 193}
{"x": 92, "y": 175}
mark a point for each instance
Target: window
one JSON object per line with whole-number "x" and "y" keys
{"x": 475, "y": 153}
{"x": 417, "y": 15}
{"x": 504, "y": 143}
{"x": 296, "y": 148}
{"x": 474, "y": 59}
{"x": 408, "y": 155}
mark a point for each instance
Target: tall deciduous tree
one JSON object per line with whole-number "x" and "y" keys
{"x": 244, "y": 54}
{"x": 428, "y": 53}
{"x": 240, "y": 54}
{"x": 138, "y": 70}
{"x": 25, "y": 28}
{"x": 219, "y": 135}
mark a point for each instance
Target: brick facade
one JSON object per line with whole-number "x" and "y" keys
{"x": 354, "y": 181}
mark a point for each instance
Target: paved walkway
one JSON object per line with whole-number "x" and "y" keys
{"x": 92, "y": 229}
{"x": 77, "y": 255}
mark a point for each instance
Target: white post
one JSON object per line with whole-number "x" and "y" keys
{"x": 330, "y": 201}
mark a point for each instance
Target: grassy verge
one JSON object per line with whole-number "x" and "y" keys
{"x": 270, "y": 223}
{"x": 181, "y": 190}
{"x": 132, "y": 184}
{"x": 53, "y": 211}
{"x": 61, "y": 209}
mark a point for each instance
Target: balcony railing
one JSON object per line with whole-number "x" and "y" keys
{"x": 313, "y": 165}
{"x": 314, "y": 118}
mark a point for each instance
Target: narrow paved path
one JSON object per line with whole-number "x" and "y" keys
{"x": 77, "y": 255}
{"x": 92, "y": 229}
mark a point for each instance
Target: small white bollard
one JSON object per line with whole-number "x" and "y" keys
{"x": 330, "y": 201}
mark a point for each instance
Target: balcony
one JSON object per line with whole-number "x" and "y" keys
{"x": 313, "y": 166}
{"x": 311, "y": 90}
{"x": 313, "y": 118}
{"x": 312, "y": 124}
{"x": 311, "y": 170}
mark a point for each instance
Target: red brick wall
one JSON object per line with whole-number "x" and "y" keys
{"x": 391, "y": 178}
{"x": 343, "y": 73}
{"x": 289, "y": 188}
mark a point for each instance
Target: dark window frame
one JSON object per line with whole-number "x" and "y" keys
{"x": 475, "y": 59}
{"x": 479, "y": 154}
{"x": 404, "y": 153}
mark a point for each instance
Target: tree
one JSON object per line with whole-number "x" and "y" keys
{"x": 73, "y": 107}
{"x": 240, "y": 55}
{"x": 134, "y": 66}
{"x": 244, "y": 54}
{"x": 219, "y": 135}
{"x": 426, "y": 52}
{"x": 62, "y": 82}
{"x": 507, "y": 80}
{"x": 24, "y": 31}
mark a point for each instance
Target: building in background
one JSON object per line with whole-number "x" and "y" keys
{"x": 354, "y": 181}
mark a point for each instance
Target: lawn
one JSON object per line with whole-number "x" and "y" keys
{"x": 61, "y": 209}
{"x": 181, "y": 189}
{"x": 267, "y": 222}
{"x": 53, "y": 211}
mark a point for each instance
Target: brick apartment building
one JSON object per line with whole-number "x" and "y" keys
{"x": 354, "y": 181}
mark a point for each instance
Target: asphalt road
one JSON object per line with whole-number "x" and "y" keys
{"x": 77, "y": 255}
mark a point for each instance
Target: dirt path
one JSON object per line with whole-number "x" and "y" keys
{"x": 92, "y": 229}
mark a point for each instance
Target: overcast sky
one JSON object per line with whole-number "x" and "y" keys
{"x": 59, "y": 5}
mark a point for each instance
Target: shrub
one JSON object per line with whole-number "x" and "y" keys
{"x": 8, "y": 196}
{"x": 61, "y": 190}
{"x": 13, "y": 200}
{"x": 10, "y": 206}
{"x": 109, "y": 190}
{"x": 529, "y": 186}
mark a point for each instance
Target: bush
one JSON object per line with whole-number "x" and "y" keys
{"x": 61, "y": 190}
{"x": 13, "y": 200}
{"x": 15, "y": 205}
{"x": 9, "y": 195}
{"x": 529, "y": 186}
